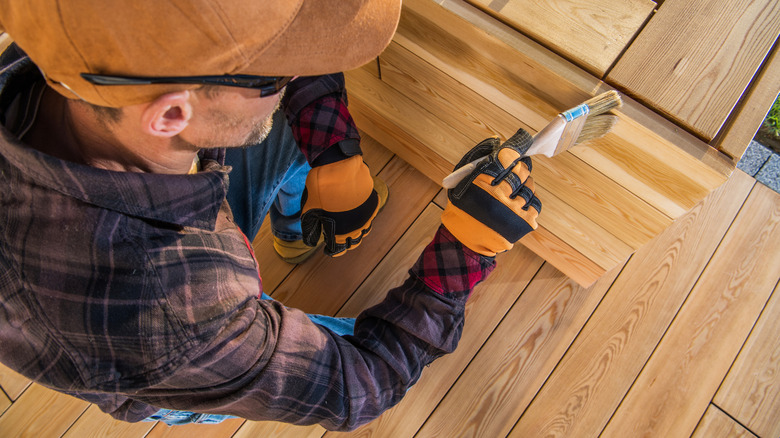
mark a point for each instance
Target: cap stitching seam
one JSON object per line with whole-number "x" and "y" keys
{"x": 78, "y": 52}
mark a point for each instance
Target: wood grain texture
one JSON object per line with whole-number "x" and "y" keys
{"x": 454, "y": 103}
{"x": 601, "y": 199}
{"x": 5, "y": 402}
{"x": 485, "y": 309}
{"x": 709, "y": 330}
{"x": 592, "y": 33}
{"x": 746, "y": 119}
{"x": 716, "y": 424}
{"x": 503, "y": 378}
{"x": 584, "y": 235}
{"x": 41, "y": 412}
{"x": 252, "y": 429}
{"x": 12, "y": 383}
{"x": 389, "y": 273}
{"x": 96, "y": 423}
{"x": 711, "y": 50}
{"x": 561, "y": 255}
{"x": 751, "y": 391}
{"x": 651, "y": 166}
{"x": 612, "y": 348}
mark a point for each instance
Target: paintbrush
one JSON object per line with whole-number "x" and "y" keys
{"x": 584, "y": 122}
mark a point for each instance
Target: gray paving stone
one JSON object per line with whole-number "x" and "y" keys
{"x": 754, "y": 158}
{"x": 769, "y": 174}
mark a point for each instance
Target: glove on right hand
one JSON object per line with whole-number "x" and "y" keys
{"x": 495, "y": 205}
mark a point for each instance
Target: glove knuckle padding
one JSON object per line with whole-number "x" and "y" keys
{"x": 341, "y": 202}
{"x": 495, "y": 206}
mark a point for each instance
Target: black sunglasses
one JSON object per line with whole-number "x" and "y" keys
{"x": 268, "y": 85}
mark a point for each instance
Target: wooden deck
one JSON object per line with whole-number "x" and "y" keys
{"x": 679, "y": 341}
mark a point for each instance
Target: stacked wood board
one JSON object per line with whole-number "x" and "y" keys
{"x": 454, "y": 75}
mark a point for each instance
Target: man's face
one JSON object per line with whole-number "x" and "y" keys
{"x": 230, "y": 117}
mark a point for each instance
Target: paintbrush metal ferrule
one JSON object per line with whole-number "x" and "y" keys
{"x": 568, "y": 129}
{"x": 577, "y": 111}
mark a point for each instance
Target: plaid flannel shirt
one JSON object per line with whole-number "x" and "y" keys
{"x": 136, "y": 292}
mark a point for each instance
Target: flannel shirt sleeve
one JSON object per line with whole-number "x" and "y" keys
{"x": 272, "y": 363}
{"x": 316, "y": 109}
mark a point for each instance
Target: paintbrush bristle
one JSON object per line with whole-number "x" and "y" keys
{"x": 597, "y": 123}
{"x": 604, "y": 102}
{"x": 596, "y": 126}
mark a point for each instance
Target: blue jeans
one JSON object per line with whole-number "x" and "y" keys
{"x": 267, "y": 178}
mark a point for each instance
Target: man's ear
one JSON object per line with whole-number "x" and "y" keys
{"x": 168, "y": 115}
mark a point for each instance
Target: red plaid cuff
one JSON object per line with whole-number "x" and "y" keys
{"x": 316, "y": 109}
{"x": 449, "y": 268}
{"x": 322, "y": 124}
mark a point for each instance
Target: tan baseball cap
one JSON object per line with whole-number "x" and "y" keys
{"x": 193, "y": 38}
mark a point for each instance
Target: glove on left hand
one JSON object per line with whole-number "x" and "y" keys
{"x": 339, "y": 202}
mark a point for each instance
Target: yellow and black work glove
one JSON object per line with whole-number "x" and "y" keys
{"x": 339, "y": 201}
{"x": 495, "y": 205}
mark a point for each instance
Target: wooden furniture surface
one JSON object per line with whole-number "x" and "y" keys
{"x": 593, "y": 32}
{"x": 454, "y": 75}
{"x": 695, "y": 59}
{"x": 540, "y": 355}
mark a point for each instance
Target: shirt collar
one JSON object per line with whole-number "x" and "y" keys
{"x": 185, "y": 200}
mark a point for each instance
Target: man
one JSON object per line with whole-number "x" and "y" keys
{"x": 125, "y": 278}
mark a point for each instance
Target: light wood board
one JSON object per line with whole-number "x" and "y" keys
{"x": 711, "y": 329}
{"x": 751, "y": 391}
{"x": 695, "y": 58}
{"x": 612, "y": 348}
{"x": 591, "y": 33}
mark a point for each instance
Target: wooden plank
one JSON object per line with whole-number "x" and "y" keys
{"x": 601, "y": 199}
{"x": 486, "y": 307}
{"x": 503, "y": 378}
{"x": 96, "y": 423}
{"x": 711, "y": 50}
{"x": 510, "y": 78}
{"x": 456, "y": 104}
{"x": 12, "y": 383}
{"x": 716, "y": 424}
{"x": 534, "y": 60}
{"x": 649, "y": 166}
{"x": 5, "y": 402}
{"x": 678, "y": 382}
{"x": 751, "y": 391}
{"x": 252, "y": 429}
{"x": 387, "y": 274}
{"x": 485, "y": 75}
{"x": 582, "y": 234}
{"x": 599, "y": 368}
{"x": 41, "y": 412}
{"x": 424, "y": 129}
{"x": 592, "y": 33}
{"x": 342, "y": 275}
{"x": 561, "y": 255}
{"x": 747, "y": 118}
